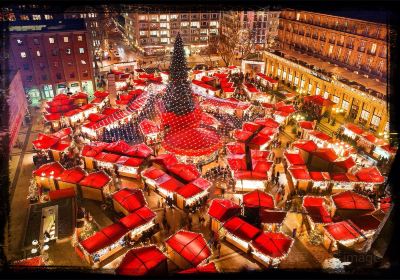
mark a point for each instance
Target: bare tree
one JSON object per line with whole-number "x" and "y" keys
{"x": 236, "y": 40}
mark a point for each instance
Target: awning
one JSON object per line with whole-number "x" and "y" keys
{"x": 54, "y": 169}
{"x": 138, "y": 218}
{"x": 258, "y": 198}
{"x": 316, "y": 210}
{"x": 241, "y": 229}
{"x": 272, "y": 244}
{"x": 306, "y": 145}
{"x": 130, "y": 199}
{"x": 165, "y": 159}
{"x": 104, "y": 238}
{"x": 95, "y": 180}
{"x": 73, "y": 175}
{"x": 190, "y": 245}
{"x": 223, "y": 209}
{"x": 349, "y": 200}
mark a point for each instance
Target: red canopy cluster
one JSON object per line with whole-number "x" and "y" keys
{"x": 130, "y": 199}
{"x": 315, "y": 207}
{"x": 257, "y": 199}
{"x": 58, "y": 141}
{"x": 349, "y": 200}
{"x": 272, "y": 244}
{"x": 223, "y": 209}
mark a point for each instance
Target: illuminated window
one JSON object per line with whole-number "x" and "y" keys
{"x": 23, "y": 54}
{"x": 81, "y": 50}
{"x": 51, "y": 40}
{"x": 38, "y": 53}
{"x": 364, "y": 114}
{"x": 68, "y": 51}
{"x": 36, "y": 17}
{"x": 83, "y": 62}
{"x": 47, "y": 17}
{"x": 66, "y": 39}
{"x": 375, "y": 120}
{"x": 19, "y": 42}
{"x": 80, "y": 38}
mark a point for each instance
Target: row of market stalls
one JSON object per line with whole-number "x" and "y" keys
{"x": 55, "y": 144}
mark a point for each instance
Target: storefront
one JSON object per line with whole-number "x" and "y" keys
{"x": 87, "y": 86}
{"x": 48, "y": 91}
{"x": 61, "y": 88}
{"x": 74, "y": 87}
{"x": 34, "y": 96}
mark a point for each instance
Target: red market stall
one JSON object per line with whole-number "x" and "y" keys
{"x": 96, "y": 186}
{"x": 208, "y": 120}
{"x": 167, "y": 186}
{"x": 321, "y": 139}
{"x": 299, "y": 177}
{"x": 56, "y": 143}
{"x": 293, "y": 158}
{"x": 150, "y": 131}
{"x": 187, "y": 249}
{"x": 45, "y": 176}
{"x": 256, "y": 201}
{"x": 320, "y": 180}
{"x": 369, "y": 177}
{"x": 323, "y": 158}
{"x": 341, "y": 232}
{"x": 192, "y": 193}
{"x": 183, "y": 172}
{"x": 318, "y": 103}
{"x": 143, "y": 261}
{"x": 220, "y": 211}
{"x": 138, "y": 222}
{"x": 225, "y": 106}
{"x": 270, "y": 248}
{"x": 203, "y": 88}
{"x": 351, "y": 130}
{"x": 270, "y": 83}
{"x": 150, "y": 175}
{"x": 102, "y": 244}
{"x": 348, "y": 204}
{"x": 272, "y": 220}
{"x": 317, "y": 214}
{"x": 342, "y": 181}
{"x": 306, "y": 148}
{"x": 305, "y": 127}
{"x": 70, "y": 178}
{"x": 251, "y": 90}
{"x": 201, "y": 269}
{"x": 128, "y": 200}
{"x": 239, "y": 233}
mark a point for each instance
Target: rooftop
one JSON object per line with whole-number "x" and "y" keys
{"x": 47, "y": 25}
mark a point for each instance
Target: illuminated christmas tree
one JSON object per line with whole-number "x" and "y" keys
{"x": 178, "y": 98}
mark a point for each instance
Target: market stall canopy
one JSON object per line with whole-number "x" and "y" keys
{"x": 237, "y": 162}
{"x": 101, "y": 94}
{"x": 306, "y": 145}
{"x": 95, "y": 180}
{"x": 343, "y": 177}
{"x": 267, "y": 122}
{"x": 168, "y": 183}
{"x": 241, "y": 229}
{"x": 320, "y": 135}
{"x": 342, "y": 231}
{"x": 72, "y": 175}
{"x": 148, "y": 127}
{"x": 345, "y": 164}
{"x": 354, "y": 128}
{"x": 365, "y": 222}
{"x": 141, "y": 261}
{"x": 165, "y": 159}
{"x": 235, "y": 148}
{"x": 194, "y": 188}
{"x": 326, "y": 154}
{"x": 316, "y": 209}
{"x": 242, "y": 135}
{"x": 349, "y": 200}
{"x": 104, "y": 238}
{"x": 190, "y": 245}
{"x": 208, "y": 268}
{"x": 272, "y": 244}
{"x": 306, "y": 125}
{"x": 318, "y": 100}
{"x": 258, "y": 198}
{"x": 267, "y": 78}
{"x": 294, "y": 158}
{"x": 62, "y": 194}
{"x": 186, "y": 172}
{"x": 223, "y": 209}
{"x": 251, "y": 126}
{"x": 370, "y": 175}
{"x": 54, "y": 169}
{"x": 299, "y": 172}
{"x": 44, "y": 141}
{"x": 319, "y": 176}
{"x": 138, "y": 218}
{"x": 130, "y": 199}
{"x": 30, "y": 262}
{"x": 153, "y": 173}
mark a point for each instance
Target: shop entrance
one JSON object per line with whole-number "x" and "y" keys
{"x": 48, "y": 91}
{"x": 34, "y": 96}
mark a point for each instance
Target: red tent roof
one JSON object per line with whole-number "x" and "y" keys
{"x": 61, "y": 145}
{"x": 346, "y": 164}
{"x": 268, "y": 131}
{"x": 241, "y": 229}
{"x": 306, "y": 145}
{"x": 327, "y": 154}
{"x": 249, "y": 175}
{"x": 128, "y": 161}
{"x": 365, "y": 222}
{"x": 342, "y": 231}
{"x": 35, "y": 261}
{"x": 153, "y": 173}
{"x": 187, "y": 172}
{"x": 272, "y": 244}
{"x": 49, "y": 169}
{"x": 250, "y": 126}
{"x": 350, "y": 200}
{"x": 73, "y": 112}
{"x": 148, "y": 127}
{"x": 300, "y": 172}
{"x": 355, "y": 129}
{"x": 107, "y": 157}
{"x": 138, "y": 218}
{"x": 93, "y": 149}
{"x": 265, "y": 77}
{"x": 190, "y": 245}
{"x": 262, "y": 166}
{"x": 61, "y": 194}
{"x": 370, "y": 175}
{"x": 343, "y": 177}
{"x": 168, "y": 183}
{"x": 223, "y": 209}
{"x": 73, "y": 175}
{"x": 319, "y": 176}
{"x": 197, "y": 186}
{"x": 259, "y": 155}
{"x": 294, "y": 159}
{"x": 286, "y": 109}
{"x": 104, "y": 238}
{"x": 267, "y": 122}
{"x": 141, "y": 261}
{"x": 109, "y": 111}
{"x": 258, "y": 198}
{"x": 192, "y": 142}
{"x": 235, "y": 148}
{"x": 272, "y": 217}
{"x": 320, "y": 135}
{"x": 44, "y": 142}
{"x": 101, "y": 94}
{"x": 130, "y": 199}
{"x": 62, "y": 133}
{"x": 237, "y": 162}
{"x": 52, "y": 117}
{"x": 319, "y": 100}
{"x": 95, "y": 180}
{"x": 208, "y": 268}
{"x": 242, "y": 135}
{"x": 306, "y": 124}
{"x": 316, "y": 210}
{"x": 260, "y": 139}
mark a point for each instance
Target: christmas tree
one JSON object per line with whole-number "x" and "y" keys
{"x": 178, "y": 98}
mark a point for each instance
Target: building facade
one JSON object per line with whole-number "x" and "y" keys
{"x": 53, "y": 57}
{"x": 358, "y": 45}
{"x": 153, "y": 33}
{"x": 262, "y": 23}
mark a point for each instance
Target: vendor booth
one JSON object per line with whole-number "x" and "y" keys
{"x": 349, "y": 204}
{"x": 256, "y": 201}
{"x": 138, "y": 222}
{"x": 317, "y": 214}
{"x": 267, "y": 81}
{"x": 270, "y": 248}
{"x": 96, "y": 186}
{"x": 220, "y": 211}
{"x": 70, "y": 178}
{"x": 150, "y": 131}
{"x": 143, "y": 261}
{"x": 271, "y": 220}
{"x": 45, "y": 176}
{"x": 192, "y": 193}
{"x": 299, "y": 177}
{"x": 239, "y": 233}
{"x": 187, "y": 249}
{"x": 341, "y": 232}
{"x": 128, "y": 200}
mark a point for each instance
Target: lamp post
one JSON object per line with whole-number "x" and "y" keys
{"x": 41, "y": 248}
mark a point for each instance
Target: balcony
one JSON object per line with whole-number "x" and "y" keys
{"x": 361, "y": 49}
{"x": 350, "y": 46}
{"x": 331, "y": 41}
{"x": 323, "y": 39}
